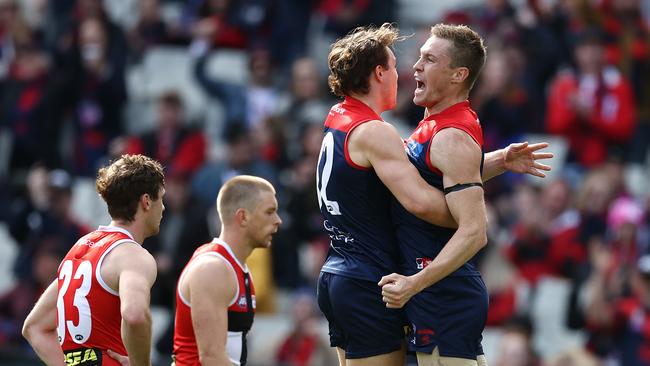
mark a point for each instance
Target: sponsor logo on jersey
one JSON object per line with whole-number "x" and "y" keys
{"x": 83, "y": 357}
{"x": 421, "y": 263}
{"x": 89, "y": 243}
{"x": 338, "y": 109}
{"x": 337, "y": 234}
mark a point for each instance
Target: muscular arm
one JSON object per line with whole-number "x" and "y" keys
{"x": 378, "y": 144}
{"x": 459, "y": 158}
{"x": 40, "y": 328}
{"x": 136, "y": 270}
{"x": 210, "y": 300}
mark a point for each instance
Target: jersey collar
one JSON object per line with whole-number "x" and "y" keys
{"x": 354, "y": 104}
{"x": 225, "y": 245}
{"x": 451, "y": 109}
{"x": 115, "y": 228}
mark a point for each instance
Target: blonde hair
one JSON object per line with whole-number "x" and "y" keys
{"x": 467, "y": 49}
{"x": 353, "y": 58}
{"x": 238, "y": 192}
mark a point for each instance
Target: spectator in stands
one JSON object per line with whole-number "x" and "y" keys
{"x": 251, "y": 104}
{"x": 341, "y": 16}
{"x": 303, "y": 346}
{"x": 8, "y": 17}
{"x": 150, "y": 29}
{"x": 516, "y": 347}
{"x": 29, "y": 104}
{"x": 623, "y": 22}
{"x": 16, "y": 303}
{"x": 47, "y": 213}
{"x": 504, "y": 105}
{"x": 567, "y": 253}
{"x": 241, "y": 158}
{"x": 306, "y": 102}
{"x": 625, "y": 319}
{"x": 96, "y": 93}
{"x": 592, "y": 106}
{"x": 227, "y": 23}
{"x": 529, "y": 250}
{"x": 180, "y": 148}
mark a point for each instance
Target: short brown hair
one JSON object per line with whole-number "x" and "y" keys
{"x": 238, "y": 192}
{"x": 125, "y": 180}
{"x": 467, "y": 48}
{"x": 353, "y": 58}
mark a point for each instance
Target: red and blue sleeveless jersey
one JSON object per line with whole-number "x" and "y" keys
{"x": 419, "y": 241}
{"x": 354, "y": 202}
{"x": 241, "y": 310}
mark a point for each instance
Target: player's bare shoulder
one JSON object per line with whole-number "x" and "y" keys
{"x": 201, "y": 275}
{"x": 368, "y": 137}
{"x": 451, "y": 146}
{"x": 127, "y": 256}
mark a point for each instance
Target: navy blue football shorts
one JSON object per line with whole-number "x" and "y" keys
{"x": 450, "y": 315}
{"x": 359, "y": 321}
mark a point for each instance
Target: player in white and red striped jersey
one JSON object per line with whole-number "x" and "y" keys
{"x": 96, "y": 312}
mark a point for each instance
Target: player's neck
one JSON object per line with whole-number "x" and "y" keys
{"x": 372, "y": 100}
{"x": 136, "y": 230}
{"x": 237, "y": 243}
{"x": 446, "y": 103}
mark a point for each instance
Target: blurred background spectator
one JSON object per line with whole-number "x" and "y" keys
{"x": 214, "y": 88}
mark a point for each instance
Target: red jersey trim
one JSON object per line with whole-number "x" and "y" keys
{"x": 465, "y": 127}
{"x": 354, "y": 107}
{"x": 458, "y": 126}
{"x": 346, "y": 152}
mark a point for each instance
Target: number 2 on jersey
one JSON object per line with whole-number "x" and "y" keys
{"x": 323, "y": 177}
{"x": 81, "y": 331}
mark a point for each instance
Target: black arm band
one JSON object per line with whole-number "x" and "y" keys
{"x": 461, "y": 186}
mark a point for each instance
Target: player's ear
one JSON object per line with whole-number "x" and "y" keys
{"x": 379, "y": 72}
{"x": 145, "y": 201}
{"x": 460, "y": 75}
{"x": 241, "y": 216}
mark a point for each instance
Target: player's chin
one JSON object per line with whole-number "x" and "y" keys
{"x": 418, "y": 99}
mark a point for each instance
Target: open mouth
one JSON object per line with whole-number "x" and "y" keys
{"x": 419, "y": 85}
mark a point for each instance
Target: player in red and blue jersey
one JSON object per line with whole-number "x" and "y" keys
{"x": 362, "y": 165}
{"x": 448, "y": 300}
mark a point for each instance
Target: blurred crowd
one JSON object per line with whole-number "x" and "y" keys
{"x": 574, "y": 72}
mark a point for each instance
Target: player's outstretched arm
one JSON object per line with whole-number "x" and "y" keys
{"x": 136, "y": 270}
{"x": 210, "y": 299}
{"x": 40, "y": 328}
{"x": 459, "y": 158}
{"x": 517, "y": 158}
{"x": 378, "y": 144}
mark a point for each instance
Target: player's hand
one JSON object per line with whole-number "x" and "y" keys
{"x": 522, "y": 158}
{"x": 397, "y": 290}
{"x": 123, "y": 360}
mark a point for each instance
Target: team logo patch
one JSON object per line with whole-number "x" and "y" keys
{"x": 241, "y": 302}
{"x": 83, "y": 357}
{"x": 421, "y": 263}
